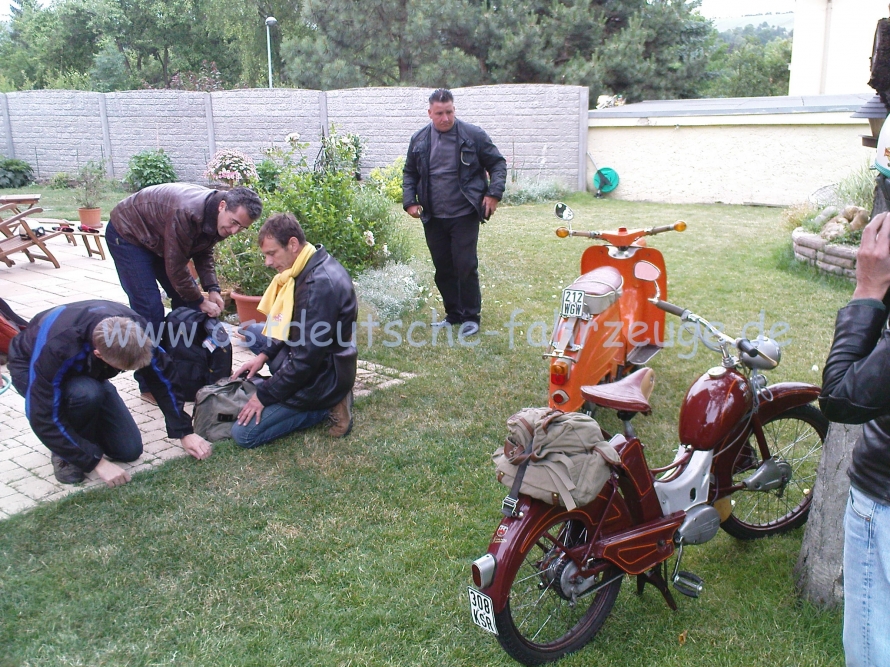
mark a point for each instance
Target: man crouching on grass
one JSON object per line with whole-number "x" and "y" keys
{"x": 307, "y": 340}
{"x": 62, "y": 364}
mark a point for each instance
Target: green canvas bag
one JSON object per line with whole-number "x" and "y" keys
{"x": 565, "y": 455}
{"x": 217, "y": 407}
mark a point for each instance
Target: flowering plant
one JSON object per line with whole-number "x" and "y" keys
{"x": 231, "y": 167}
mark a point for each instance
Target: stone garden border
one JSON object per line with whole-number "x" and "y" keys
{"x": 833, "y": 258}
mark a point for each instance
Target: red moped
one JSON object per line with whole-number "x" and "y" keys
{"x": 607, "y": 327}
{"x": 746, "y": 463}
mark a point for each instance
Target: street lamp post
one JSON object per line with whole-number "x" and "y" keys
{"x": 270, "y": 21}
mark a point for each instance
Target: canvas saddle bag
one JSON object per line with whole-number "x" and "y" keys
{"x": 217, "y": 407}
{"x": 558, "y": 457}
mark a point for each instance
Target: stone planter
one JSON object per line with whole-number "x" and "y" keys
{"x": 839, "y": 260}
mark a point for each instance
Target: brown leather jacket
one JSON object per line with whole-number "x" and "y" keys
{"x": 176, "y": 221}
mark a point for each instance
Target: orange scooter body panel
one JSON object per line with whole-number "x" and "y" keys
{"x": 608, "y": 338}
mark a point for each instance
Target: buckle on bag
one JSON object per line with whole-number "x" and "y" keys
{"x": 508, "y": 507}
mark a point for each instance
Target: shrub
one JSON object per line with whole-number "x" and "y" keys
{"x": 61, "y": 181}
{"x": 15, "y": 173}
{"x": 388, "y": 180}
{"x": 268, "y": 172}
{"x": 149, "y": 168}
{"x": 231, "y": 167}
{"x": 393, "y": 289}
{"x": 535, "y": 192}
{"x": 858, "y": 188}
{"x": 90, "y": 183}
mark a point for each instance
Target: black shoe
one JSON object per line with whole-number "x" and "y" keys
{"x": 65, "y": 472}
{"x": 469, "y": 328}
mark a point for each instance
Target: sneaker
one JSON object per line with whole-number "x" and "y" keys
{"x": 469, "y": 329}
{"x": 340, "y": 417}
{"x": 65, "y": 472}
{"x": 148, "y": 397}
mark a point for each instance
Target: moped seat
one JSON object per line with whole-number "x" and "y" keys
{"x": 630, "y": 394}
{"x": 602, "y": 281}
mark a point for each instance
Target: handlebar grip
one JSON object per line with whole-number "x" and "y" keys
{"x": 748, "y": 348}
{"x": 670, "y": 308}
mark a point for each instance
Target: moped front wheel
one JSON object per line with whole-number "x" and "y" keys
{"x": 545, "y": 617}
{"x": 796, "y": 436}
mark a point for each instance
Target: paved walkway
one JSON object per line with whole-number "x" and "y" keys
{"x": 26, "y": 475}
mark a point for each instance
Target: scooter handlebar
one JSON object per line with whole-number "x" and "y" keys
{"x": 671, "y": 308}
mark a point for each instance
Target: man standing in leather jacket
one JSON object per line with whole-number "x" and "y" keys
{"x": 856, "y": 390}
{"x": 445, "y": 183}
{"x": 153, "y": 234}
{"x": 307, "y": 340}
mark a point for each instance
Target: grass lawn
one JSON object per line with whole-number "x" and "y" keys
{"x": 357, "y": 551}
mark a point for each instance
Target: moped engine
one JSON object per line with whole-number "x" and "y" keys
{"x": 700, "y": 525}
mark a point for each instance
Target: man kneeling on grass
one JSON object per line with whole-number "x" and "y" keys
{"x": 307, "y": 340}
{"x": 61, "y": 364}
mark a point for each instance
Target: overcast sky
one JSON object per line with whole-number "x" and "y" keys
{"x": 711, "y": 8}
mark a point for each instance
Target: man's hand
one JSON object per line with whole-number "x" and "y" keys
{"x": 216, "y": 298}
{"x": 113, "y": 475}
{"x": 252, "y": 367}
{"x": 211, "y": 308}
{"x": 414, "y": 211}
{"x": 197, "y": 446}
{"x": 489, "y": 206}
{"x": 253, "y": 408}
{"x": 873, "y": 259}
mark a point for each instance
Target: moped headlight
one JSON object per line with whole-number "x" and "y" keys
{"x": 769, "y": 357}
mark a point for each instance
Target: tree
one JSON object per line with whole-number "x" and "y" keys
{"x": 820, "y": 566}
{"x": 751, "y": 62}
{"x": 640, "y": 48}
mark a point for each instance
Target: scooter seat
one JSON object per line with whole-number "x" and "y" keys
{"x": 602, "y": 281}
{"x": 630, "y": 394}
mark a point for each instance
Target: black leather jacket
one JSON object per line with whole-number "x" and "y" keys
{"x": 315, "y": 368}
{"x": 856, "y": 390}
{"x": 57, "y": 345}
{"x": 479, "y": 160}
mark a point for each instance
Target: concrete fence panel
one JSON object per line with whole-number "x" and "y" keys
{"x": 55, "y": 130}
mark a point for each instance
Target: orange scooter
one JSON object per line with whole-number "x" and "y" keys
{"x": 607, "y": 327}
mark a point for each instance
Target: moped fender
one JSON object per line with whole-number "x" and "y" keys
{"x": 782, "y": 396}
{"x": 513, "y": 537}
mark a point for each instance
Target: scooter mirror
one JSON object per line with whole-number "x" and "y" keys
{"x": 563, "y": 212}
{"x": 646, "y": 271}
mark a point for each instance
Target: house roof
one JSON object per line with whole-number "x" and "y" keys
{"x": 735, "y": 106}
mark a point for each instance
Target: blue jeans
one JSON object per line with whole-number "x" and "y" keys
{"x": 275, "y": 421}
{"x": 866, "y": 582}
{"x": 97, "y": 413}
{"x": 140, "y": 271}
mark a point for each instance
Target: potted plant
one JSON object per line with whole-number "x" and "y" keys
{"x": 89, "y": 186}
{"x": 240, "y": 267}
{"x": 231, "y": 168}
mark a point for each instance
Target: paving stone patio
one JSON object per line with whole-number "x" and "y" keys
{"x": 26, "y": 475}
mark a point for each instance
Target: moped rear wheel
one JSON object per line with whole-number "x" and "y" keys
{"x": 543, "y": 620}
{"x": 797, "y": 436}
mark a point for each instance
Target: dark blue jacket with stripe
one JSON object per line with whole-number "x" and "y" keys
{"x": 58, "y": 345}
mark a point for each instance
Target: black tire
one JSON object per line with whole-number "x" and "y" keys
{"x": 540, "y": 623}
{"x": 797, "y": 436}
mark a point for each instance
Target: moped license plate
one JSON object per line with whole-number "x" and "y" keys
{"x": 482, "y": 610}
{"x": 572, "y": 303}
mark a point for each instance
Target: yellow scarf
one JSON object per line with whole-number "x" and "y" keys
{"x": 278, "y": 300}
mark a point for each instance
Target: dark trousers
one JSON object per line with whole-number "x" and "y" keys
{"x": 140, "y": 271}
{"x": 97, "y": 413}
{"x": 452, "y": 243}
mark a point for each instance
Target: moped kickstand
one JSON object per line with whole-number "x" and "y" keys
{"x": 656, "y": 578}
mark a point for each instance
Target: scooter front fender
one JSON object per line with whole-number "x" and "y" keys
{"x": 782, "y": 396}
{"x": 514, "y": 536}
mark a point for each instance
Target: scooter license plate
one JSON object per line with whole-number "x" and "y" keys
{"x": 572, "y": 303}
{"x": 482, "y": 610}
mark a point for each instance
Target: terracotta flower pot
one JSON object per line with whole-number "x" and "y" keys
{"x": 246, "y": 307}
{"x": 90, "y": 217}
